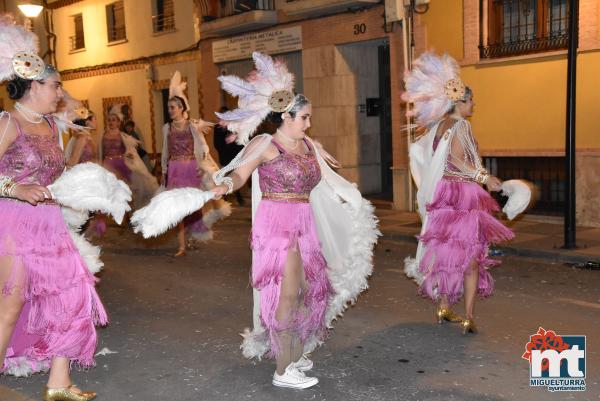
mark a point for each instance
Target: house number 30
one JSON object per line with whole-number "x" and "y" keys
{"x": 359, "y": 29}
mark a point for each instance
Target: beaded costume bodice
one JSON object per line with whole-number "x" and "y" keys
{"x": 290, "y": 173}
{"x": 112, "y": 146}
{"x": 180, "y": 142}
{"x": 33, "y": 159}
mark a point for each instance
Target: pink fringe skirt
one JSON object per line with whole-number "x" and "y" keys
{"x": 182, "y": 174}
{"x": 279, "y": 226}
{"x": 460, "y": 228}
{"x": 61, "y": 308}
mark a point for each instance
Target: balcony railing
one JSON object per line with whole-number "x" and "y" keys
{"x": 234, "y": 7}
{"x": 117, "y": 33}
{"x": 77, "y": 42}
{"x": 163, "y": 23}
{"x": 536, "y": 45}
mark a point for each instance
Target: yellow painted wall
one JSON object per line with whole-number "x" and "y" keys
{"x": 443, "y": 23}
{"x": 141, "y": 41}
{"x": 520, "y": 104}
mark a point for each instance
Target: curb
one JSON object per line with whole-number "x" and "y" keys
{"x": 558, "y": 256}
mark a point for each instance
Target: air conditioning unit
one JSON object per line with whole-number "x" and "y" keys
{"x": 394, "y": 10}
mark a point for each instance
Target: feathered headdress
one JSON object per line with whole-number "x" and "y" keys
{"x": 269, "y": 88}
{"x": 117, "y": 110}
{"x": 177, "y": 88}
{"x": 432, "y": 86}
{"x": 18, "y": 52}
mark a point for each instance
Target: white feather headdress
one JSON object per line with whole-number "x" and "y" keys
{"x": 177, "y": 88}
{"x": 117, "y": 110}
{"x": 432, "y": 86}
{"x": 18, "y": 52}
{"x": 266, "y": 89}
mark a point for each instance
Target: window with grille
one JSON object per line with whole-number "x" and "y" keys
{"x": 515, "y": 27}
{"x": 163, "y": 16}
{"x": 78, "y": 39}
{"x": 115, "y": 21}
{"x": 546, "y": 173}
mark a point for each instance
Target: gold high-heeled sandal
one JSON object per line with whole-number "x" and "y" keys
{"x": 468, "y": 326}
{"x": 180, "y": 252}
{"x": 448, "y": 315}
{"x": 67, "y": 394}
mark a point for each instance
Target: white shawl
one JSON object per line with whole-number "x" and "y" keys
{"x": 427, "y": 168}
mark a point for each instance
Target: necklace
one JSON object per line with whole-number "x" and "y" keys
{"x": 32, "y": 116}
{"x": 179, "y": 126}
{"x": 296, "y": 141}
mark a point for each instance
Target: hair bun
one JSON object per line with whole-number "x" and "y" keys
{"x": 17, "y": 87}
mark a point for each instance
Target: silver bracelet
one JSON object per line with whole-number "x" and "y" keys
{"x": 229, "y": 182}
{"x": 7, "y": 186}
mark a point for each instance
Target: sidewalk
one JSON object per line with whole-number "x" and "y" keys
{"x": 536, "y": 236}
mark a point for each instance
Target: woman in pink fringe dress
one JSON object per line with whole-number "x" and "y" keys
{"x": 181, "y": 168}
{"x": 312, "y": 232}
{"x": 48, "y": 304}
{"x": 457, "y": 213}
{"x": 287, "y": 265}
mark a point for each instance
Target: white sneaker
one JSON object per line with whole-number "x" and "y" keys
{"x": 304, "y": 364}
{"x": 293, "y": 378}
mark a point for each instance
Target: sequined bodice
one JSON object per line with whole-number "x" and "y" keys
{"x": 180, "y": 142}
{"x": 33, "y": 159}
{"x": 89, "y": 151}
{"x": 290, "y": 173}
{"x": 113, "y": 146}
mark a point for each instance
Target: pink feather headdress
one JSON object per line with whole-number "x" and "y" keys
{"x": 268, "y": 88}
{"x": 432, "y": 86}
{"x": 18, "y": 52}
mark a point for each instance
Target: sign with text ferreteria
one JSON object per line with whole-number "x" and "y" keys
{"x": 270, "y": 42}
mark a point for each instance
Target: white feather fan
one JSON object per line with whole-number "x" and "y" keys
{"x": 90, "y": 187}
{"x": 519, "y": 196}
{"x": 167, "y": 209}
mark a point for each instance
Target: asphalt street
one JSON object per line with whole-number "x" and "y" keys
{"x": 174, "y": 330}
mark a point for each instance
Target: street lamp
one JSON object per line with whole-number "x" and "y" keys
{"x": 30, "y": 10}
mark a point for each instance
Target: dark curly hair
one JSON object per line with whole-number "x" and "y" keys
{"x": 17, "y": 87}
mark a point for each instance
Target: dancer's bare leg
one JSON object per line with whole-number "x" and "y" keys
{"x": 180, "y": 239}
{"x": 471, "y": 283}
{"x": 11, "y": 303}
{"x": 291, "y": 288}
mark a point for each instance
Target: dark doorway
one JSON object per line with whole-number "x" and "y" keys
{"x": 385, "y": 116}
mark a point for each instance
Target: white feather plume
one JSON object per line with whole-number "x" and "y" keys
{"x": 425, "y": 87}
{"x": 253, "y": 95}
{"x": 13, "y": 39}
{"x": 90, "y": 253}
{"x": 167, "y": 209}
{"x": 519, "y": 196}
{"x": 177, "y": 88}
{"x": 90, "y": 187}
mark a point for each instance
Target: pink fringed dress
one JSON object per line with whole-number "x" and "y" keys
{"x": 113, "y": 150}
{"x": 460, "y": 228}
{"x": 39, "y": 258}
{"x": 284, "y": 220}
{"x": 182, "y": 171}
